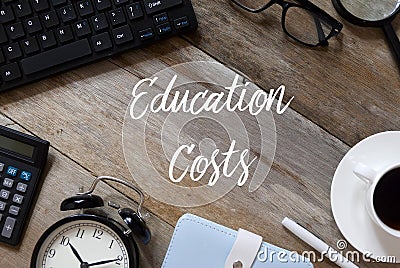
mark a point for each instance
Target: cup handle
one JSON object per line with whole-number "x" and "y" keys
{"x": 365, "y": 173}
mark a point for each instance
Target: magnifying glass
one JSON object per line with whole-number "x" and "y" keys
{"x": 373, "y": 13}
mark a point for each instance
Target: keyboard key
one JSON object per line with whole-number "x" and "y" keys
{"x": 2, "y": 206}
{"x": 12, "y": 171}
{"x": 47, "y": 40}
{"x": 57, "y": 56}
{"x": 14, "y": 210}
{"x": 15, "y": 31}
{"x": 154, "y": 6}
{"x": 82, "y": 28}
{"x": 181, "y": 23}
{"x": 8, "y": 227}
{"x": 50, "y": 19}
{"x": 101, "y": 42}
{"x": 160, "y": 18}
{"x": 65, "y": 34}
{"x": 33, "y": 25}
{"x": 3, "y": 35}
{"x": 30, "y": 45}
{"x": 99, "y": 22}
{"x": 164, "y": 28}
{"x": 102, "y": 4}
{"x": 85, "y": 8}
{"x": 8, "y": 182}
{"x": 18, "y": 199}
{"x": 146, "y": 34}
{"x": 25, "y": 175}
{"x": 10, "y": 72}
{"x": 67, "y": 13}
{"x": 39, "y": 5}
{"x": 120, "y": 2}
{"x": 6, "y": 14}
{"x": 117, "y": 16}
{"x": 134, "y": 11}
{"x": 22, "y": 8}
{"x": 21, "y": 187}
{"x": 122, "y": 35}
{"x": 58, "y": 2}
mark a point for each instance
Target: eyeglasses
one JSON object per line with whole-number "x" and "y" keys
{"x": 301, "y": 20}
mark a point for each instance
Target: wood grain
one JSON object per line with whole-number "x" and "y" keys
{"x": 81, "y": 113}
{"x": 342, "y": 93}
{"x": 63, "y": 178}
{"x": 348, "y": 88}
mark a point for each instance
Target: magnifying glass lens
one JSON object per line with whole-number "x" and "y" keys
{"x": 371, "y": 10}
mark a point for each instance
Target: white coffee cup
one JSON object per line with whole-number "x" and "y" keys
{"x": 371, "y": 177}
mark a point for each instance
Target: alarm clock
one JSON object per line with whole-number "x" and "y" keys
{"x": 93, "y": 239}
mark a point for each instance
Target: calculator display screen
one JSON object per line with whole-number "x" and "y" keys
{"x": 16, "y": 146}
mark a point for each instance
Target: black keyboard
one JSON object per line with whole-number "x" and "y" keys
{"x": 39, "y": 38}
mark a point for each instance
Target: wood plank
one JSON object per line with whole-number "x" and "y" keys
{"x": 63, "y": 179}
{"x": 350, "y": 88}
{"x": 81, "y": 113}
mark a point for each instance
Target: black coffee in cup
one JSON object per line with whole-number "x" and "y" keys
{"x": 387, "y": 199}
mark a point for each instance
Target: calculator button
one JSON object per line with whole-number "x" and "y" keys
{"x": 21, "y": 187}
{"x": 1, "y": 167}
{"x": 14, "y": 210}
{"x": 2, "y": 206}
{"x": 4, "y": 194}
{"x": 25, "y": 175}
{"x": 8, "y": 182}
{"x": 8, "y": 227}
{"x": 18, "y": 199}
{"x": 12, "y": 171}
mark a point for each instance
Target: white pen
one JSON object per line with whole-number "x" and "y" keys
{"x": 317, "y": 244}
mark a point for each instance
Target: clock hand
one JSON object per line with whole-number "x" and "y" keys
{"x": 102, "y": 262}
{"x": 76, "y": 253}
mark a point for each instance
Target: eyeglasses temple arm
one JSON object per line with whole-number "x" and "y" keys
{"x": 320, "y": 31}
{"x": 257, "y": 10}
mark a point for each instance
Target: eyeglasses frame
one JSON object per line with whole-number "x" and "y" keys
{"x": 307, "y": 5}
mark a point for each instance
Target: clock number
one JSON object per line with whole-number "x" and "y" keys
{"x": 64, "y": 241}
{"x": 80, "y": 233}
{"x": 97, "y": 233}
{"x": 118, "y": 262}
{"x": 111, "y": 244}
{"x": 52, "y": 253}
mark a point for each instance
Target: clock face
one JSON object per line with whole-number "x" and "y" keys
{"x": 82, "y": 243}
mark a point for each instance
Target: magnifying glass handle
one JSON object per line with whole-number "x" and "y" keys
{"x": 393, "y": 40}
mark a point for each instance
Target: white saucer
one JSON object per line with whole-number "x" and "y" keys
{"x": 348, "y": 195}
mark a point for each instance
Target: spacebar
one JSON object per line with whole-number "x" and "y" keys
{"x": 56, "y": 56}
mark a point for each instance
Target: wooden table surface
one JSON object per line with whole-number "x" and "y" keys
{"x": 343, "y": 93}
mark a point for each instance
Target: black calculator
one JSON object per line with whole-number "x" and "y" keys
{"x": 22, "y": 160}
